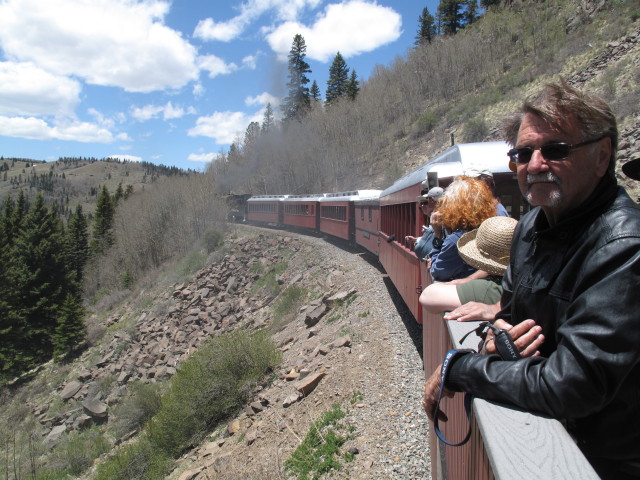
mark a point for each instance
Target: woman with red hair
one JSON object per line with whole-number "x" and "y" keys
{"x": 466, "y": 203}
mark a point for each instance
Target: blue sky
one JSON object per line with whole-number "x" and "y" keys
{"x": 172, "y": 83}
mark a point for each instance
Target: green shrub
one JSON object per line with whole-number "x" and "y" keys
{"x": 137, "y": 408}
{"x": 213, "y": 239}
{"x": 318, "y": 452}
{"x": 475, "y": 130}
{"x": 138, "y": 460}
{"x": 425, "y": 123}
{"x": 212, "y": 384}
{"x": 290, "y": 300}
{"x": 77, "y": 451}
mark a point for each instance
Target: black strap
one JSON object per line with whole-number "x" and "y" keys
{"x": 504, "y": 343}
{"x": 449, "y": 357}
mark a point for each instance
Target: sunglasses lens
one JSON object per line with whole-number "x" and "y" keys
{"x": 556, "y": 151}
{"x": 521, "y": 155}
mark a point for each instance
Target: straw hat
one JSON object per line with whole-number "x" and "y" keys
{"x": 487, "y": 247}
{"x": 632, "y": 168}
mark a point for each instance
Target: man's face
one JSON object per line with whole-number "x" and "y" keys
{"x": 428, "y": 206}
{"x": 558, "y": 186}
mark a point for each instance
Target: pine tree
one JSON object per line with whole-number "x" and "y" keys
{"x": 338, "y": 78}
{"x": 118, "y": 195}
{"x": 450, "y": 17}
{"x": 69, "y": 331}
{"x": 296, "y": 103}
{"x": 353, "y": 86}
{"x": 103, "y": 222}
{"x": 426, "y": 28}
{"x": 77, "y": 243}
{"x": 315, "y": 91}
{"x": 471, "y": 12}
{"x": 40, "y": 280}
{"x": 268, "y": 121}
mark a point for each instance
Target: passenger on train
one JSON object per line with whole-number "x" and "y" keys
{"x": 486, "y": 176}
{"x": 485, "y": 248}
{"x": 464, "y": 206}
{"x": 423, "y": 245}
{"x": 575, "y": 270}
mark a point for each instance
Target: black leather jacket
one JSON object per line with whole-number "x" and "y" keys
{"x": 579, "y": 280}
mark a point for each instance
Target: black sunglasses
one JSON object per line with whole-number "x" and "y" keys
{"x": 550, "y": 151}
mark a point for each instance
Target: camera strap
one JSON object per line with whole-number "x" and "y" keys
{"x": 505, "y": 348}
{"x": 448, "y": 359}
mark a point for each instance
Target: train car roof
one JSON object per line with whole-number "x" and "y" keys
{"x": 272, "y": 198}
{"x": 307, "y": 197}
{"x": 351, "y": 195}
{"x": 455, "y": 160}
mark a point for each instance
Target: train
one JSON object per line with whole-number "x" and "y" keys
{"x": 379, "y": 220}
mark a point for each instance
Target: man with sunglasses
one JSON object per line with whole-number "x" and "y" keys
{"x": 575, "y": 271}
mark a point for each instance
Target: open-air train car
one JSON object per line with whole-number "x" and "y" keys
{"x": 265, "y": 209}
{"x": 400, "y": 214}
{"x": 302, "y": 211}
{"x": 337, "y": 212}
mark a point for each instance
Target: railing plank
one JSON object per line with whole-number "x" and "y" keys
{"x": 519, "y": 444}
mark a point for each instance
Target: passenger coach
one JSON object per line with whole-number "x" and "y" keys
{"x": 265, "y": 209}
{"x": 337, "y": 212}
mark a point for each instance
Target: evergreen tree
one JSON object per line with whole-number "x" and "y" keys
{"x": 103, "y": 222}
{"x": 40, "y": 281}
{"x": 118, "y": 195}
{"x": 251, "y": 135}
{"x": 471, "y": 12}
{"x": 450, "y": 16}
{"x": 297, "y": 101}
{"x": 77, "y": 243}
{"x": 268, "y": 121}
{"x": 426, "y": 28}
{"x": 353, "y": 86}
{"x": 69, "y": 331}
{"x": 315, "y": 91}
{"x": 338, "y": 78}
{"x": 486, "y": 4}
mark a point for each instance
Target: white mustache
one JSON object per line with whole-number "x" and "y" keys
{"x": 547, "y": 177}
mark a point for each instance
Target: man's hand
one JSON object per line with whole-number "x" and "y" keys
{"x": 431, "y": 393}
{"x": 474, "y": 311}
{"x": 527, "y": 337}
{"x": 436, "y": 223}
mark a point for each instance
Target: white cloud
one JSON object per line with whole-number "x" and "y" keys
{"x": 225, "y": 31}
{"x": 198, "y": 90}
{"x": 168, "y": 112}
{"x": 215, "y": 65}
{"x": 250, "y": 61}
{"x": 28, "y": 90}
{"x": 128, "y": 158}
{"x": 351, "y": 28}
{"x": 37, "y": 129}
{"x": 224, "y": 127}
{"x": 201, "y": 157}
{"x": 262, "y": 100}
{"x": 120, "y": 43}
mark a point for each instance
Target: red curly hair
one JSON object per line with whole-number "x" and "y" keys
{"x": 466, "y": 203}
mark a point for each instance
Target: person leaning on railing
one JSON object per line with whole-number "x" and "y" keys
{"x": 575, "y": 271}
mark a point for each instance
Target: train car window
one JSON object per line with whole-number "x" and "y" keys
{"x": 334, "y": 212}
{"x": 370, "y": 214}
{"x": 362, "y": 213}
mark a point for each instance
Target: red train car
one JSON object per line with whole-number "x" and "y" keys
{"x": 302, "y": 211}
{"x": 400, "y": 215}
{"x": 367, "y": 223}
{"x": 265, "y": 209}
{"x": 337, "y": 212}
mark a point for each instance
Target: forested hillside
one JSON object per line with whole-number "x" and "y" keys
{"x": 458, "y": 84}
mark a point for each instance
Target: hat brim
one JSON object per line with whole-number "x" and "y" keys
{"x": 469, "y": 252}
{"x": 632, "y": 169}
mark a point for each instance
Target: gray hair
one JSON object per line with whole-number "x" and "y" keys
{"x": 559, "y": 101}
